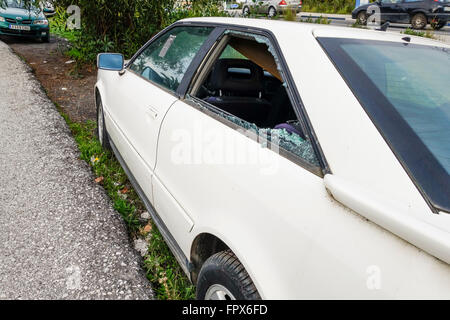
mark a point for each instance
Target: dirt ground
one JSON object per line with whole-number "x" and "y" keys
{"x": 71, "y": 89}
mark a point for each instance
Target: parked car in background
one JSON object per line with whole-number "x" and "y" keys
{"x": 23, "y": 20}
{"x": 271, "y": 7}
{"x": 276, "y": 177}
{"x": 48, "y": 8}
{"x": 418, "y": 13}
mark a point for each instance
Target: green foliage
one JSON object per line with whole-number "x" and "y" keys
{"x": 319, "y": 20}
{"x": 358, "y": 25}
{"x": 329, "y": 6}
{"x": 425, "y": 34}
{"x": 163, "y": 270}
{"x": 289, "y": 15}
{"x": 123, "y": 25}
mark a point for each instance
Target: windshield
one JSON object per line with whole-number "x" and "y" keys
{"x": 20, "y": 4}
{"x": 405, "y": 90}
{"x": 15, "y": 4}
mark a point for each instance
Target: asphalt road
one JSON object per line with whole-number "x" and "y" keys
{"x": 60, "y": 238}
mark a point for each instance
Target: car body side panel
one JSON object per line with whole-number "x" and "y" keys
{"x": 293, "y": 238}
{"x": 135, "y": 162}
{"x": 138, "y": 106}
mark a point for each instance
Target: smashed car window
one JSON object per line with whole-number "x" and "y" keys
{"x": 166, "y": 60}
{"x": 244, "y": 85}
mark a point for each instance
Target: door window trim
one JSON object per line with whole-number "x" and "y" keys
{"x": 291, "y": 88}
{"x": 214, "y": 113}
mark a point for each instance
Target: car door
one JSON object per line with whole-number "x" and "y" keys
{"x": 208, "y": 162}
{"x": 142, "y": 94}
{"x": 391, "y": 10}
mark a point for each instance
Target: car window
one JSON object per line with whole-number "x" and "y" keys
{"x": 166, "y": 60}
{"x": 230, "y": 53}
{"x": 405, "y": 91}
{"x": 244, "y": 85}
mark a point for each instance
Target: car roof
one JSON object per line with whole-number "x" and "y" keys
{"x": 296, "y": 28}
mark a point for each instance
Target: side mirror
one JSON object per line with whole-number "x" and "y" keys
{"x": 110, "y": 61}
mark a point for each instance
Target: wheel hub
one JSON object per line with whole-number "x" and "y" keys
{"x": 218, "y": 292}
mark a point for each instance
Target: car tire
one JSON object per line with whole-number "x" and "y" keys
{"x": 223, "y": 277}
{"x": 361, "y": 18}
{"x": 419, "y": 21}
{"x": 246, "y": 11}
{"x": 272, "y": 12}
{"x": 437, "y": 25}
{"x": 102, "y": 134}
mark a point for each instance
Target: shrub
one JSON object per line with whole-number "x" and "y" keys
{"x": 329, "y": 6}
{"x": 124, "y": 25}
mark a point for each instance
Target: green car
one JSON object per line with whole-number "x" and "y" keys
{"x": 20, "y": 19}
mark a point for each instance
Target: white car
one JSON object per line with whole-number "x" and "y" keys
{"x": 284, "y": 160}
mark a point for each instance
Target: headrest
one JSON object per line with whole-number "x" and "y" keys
{"x": 247, "y": 83}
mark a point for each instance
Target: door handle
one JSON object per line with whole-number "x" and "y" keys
{"x": 152, "y": 112}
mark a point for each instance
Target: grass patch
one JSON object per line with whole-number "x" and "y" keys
{"x": 168, "y": 279}
{"x": 425, "y": 34}
{"x": 319, "y": 20}
{"x": 358, "y": 25}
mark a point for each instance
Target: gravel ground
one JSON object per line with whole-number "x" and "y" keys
{"x": 60, "y": 238}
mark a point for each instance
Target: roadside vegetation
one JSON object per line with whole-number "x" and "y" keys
{"x": 319, "y": 20}
{"x": 426, "y": 34}
{"x": 329, "y": 6}
{"x": 358, "y": 25}
{"x": 122, "y": 26}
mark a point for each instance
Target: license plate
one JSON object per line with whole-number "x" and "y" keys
{"x": 16, "y": 27}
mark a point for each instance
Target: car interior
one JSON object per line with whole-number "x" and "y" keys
{"x": 243, "y": 80}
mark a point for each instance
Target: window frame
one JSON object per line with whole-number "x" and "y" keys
{"x": 292, "y": 91}
{"x": 200, "y": 54}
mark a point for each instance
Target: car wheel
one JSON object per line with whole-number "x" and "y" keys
{"x": 437, "y": 25}
{"x": 246, "y": 11}
{"x": 101, "y": 128}
{"x": 361, "y": 18}
{"x": 272, "y": 12}
{"x": 419, "y": 21}
{"x": 223, "y": 277}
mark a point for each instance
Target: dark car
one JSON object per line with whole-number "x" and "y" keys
{"x": 418, "y": 13}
